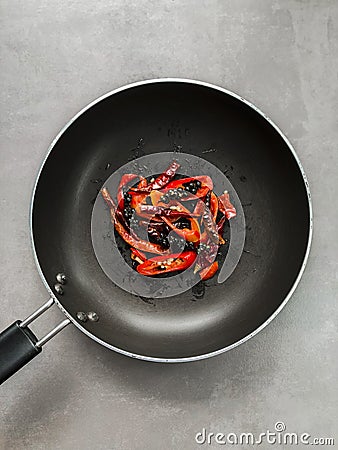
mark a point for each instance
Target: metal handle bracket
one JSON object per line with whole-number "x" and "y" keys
{"x": 36, "y": 314}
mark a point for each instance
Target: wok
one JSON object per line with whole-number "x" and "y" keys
{"x": 164, "y": 115}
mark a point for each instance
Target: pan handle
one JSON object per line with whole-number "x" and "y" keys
{"x": 19, "y": 345}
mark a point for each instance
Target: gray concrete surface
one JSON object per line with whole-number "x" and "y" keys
{"x": 58, "y": 55}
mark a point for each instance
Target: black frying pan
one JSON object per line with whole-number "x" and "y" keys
{"x": 166, "y": 114}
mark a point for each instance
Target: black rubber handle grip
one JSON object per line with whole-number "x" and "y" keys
{"x": 17, "y": 348}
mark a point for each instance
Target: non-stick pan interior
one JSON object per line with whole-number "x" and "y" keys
{"x": 162, "y": 117}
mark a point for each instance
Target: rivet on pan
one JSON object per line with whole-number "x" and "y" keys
{"x": 82, "y": 316}
{"x": 61, "y": 278}
{"x": 93, "y": 316}
{"x": 58, "y": 288}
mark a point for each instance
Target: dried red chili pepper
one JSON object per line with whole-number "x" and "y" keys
{"x": 115, "y": 212}
{"x": 209, "y": 271}
{"x": 204, "y": 179}
{"x": 212, "y": 252}
{"x": 151, "y": 210}
{"x": 173, "y": 205}
{"x": 125, "y": 180}
{"x": 125, "y": 235}
{"x": 199, "y": 208}
{"x": 163, "y": 179}
{"x": 225, "y": 206}
{"x": 156, "y": 230}
{"x": 220, "y": 225}
{"x": 140, "y": 244}
{"x": 205, "y": 184}
{"x": 137, "y": 198}
{"x": 210, "y": 226}
{"x": 160, "y": 203}
{"x": 206, "y": 255}
{"x": 214, "y": 206}
{"x": 143, "y": 183}
{"x": 190, "y": 235}
{"x": 166, "y": 264}
{"x": 107, "y": 198}
{"x": 138, "y": 254}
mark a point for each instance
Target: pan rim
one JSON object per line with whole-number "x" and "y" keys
{"x": 300, "y": 273}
